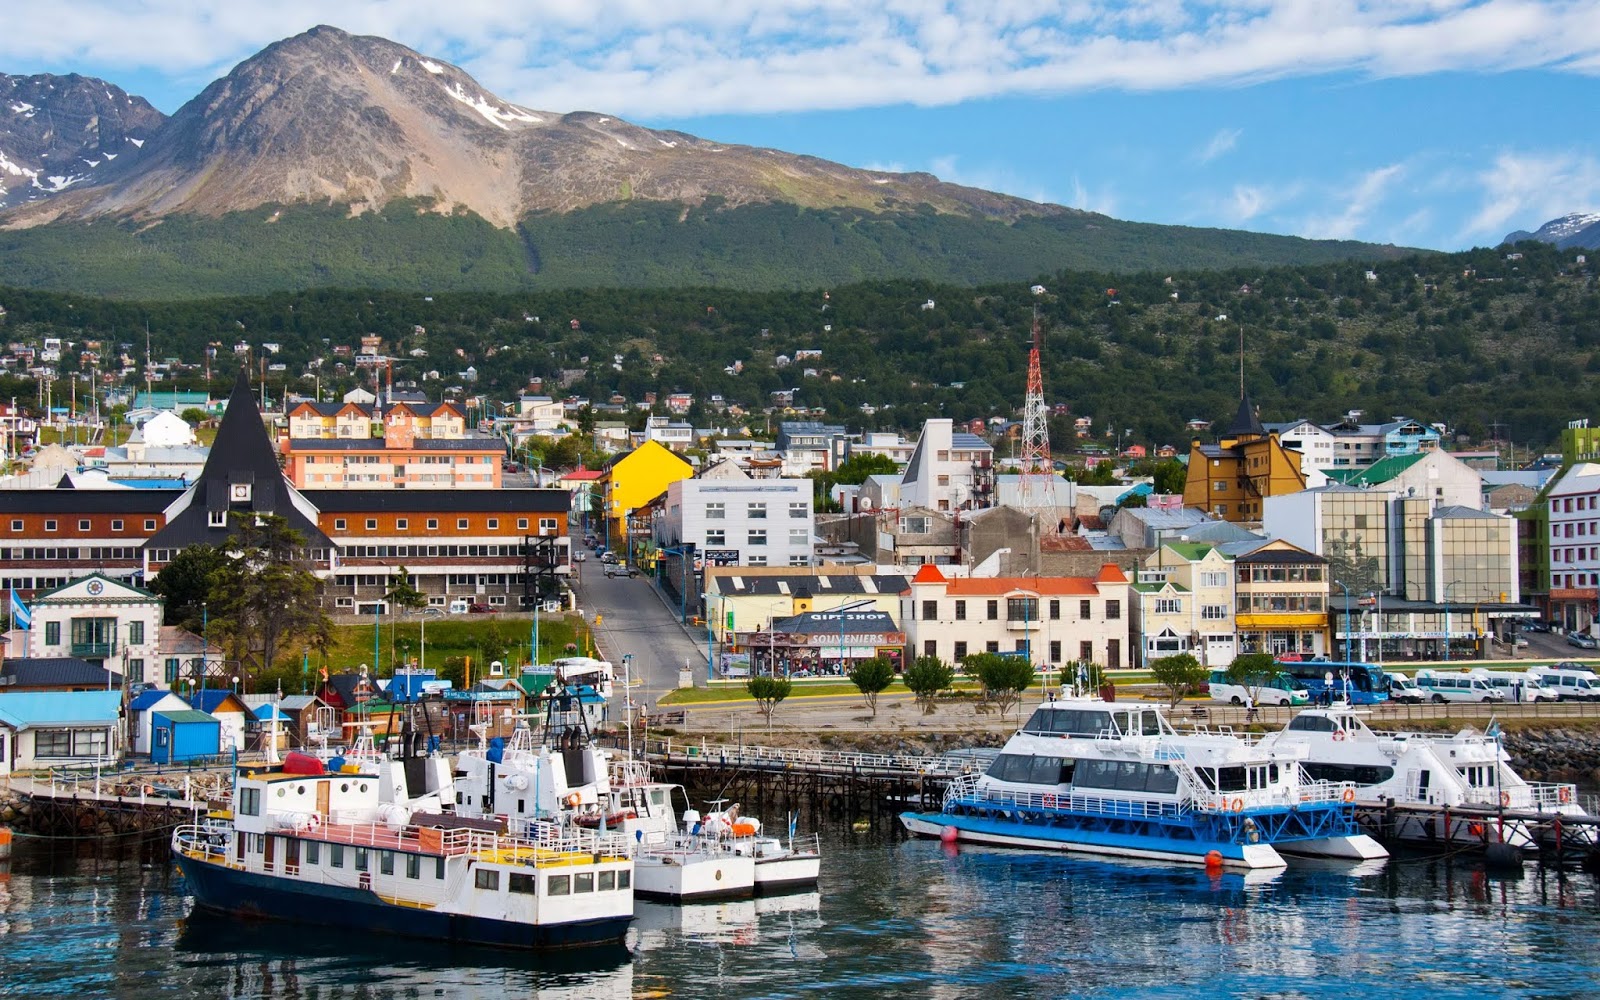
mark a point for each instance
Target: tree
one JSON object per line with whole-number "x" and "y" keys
{"x": 1252, "y": 671}
{"x": 1179, "y": 674}
{"x": 402, "y": 594}
{"x": 768, "y": 691}
{"x": 870, "y": 677}
{"x": 926, "y": 677}
{"x": 188, "y": 583}
{"x": 1004, "y": 678}
{"x": 193, "y": 416}
{"x": 267, "y": 593}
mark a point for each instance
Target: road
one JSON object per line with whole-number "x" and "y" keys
{"x": 634, "y": 620}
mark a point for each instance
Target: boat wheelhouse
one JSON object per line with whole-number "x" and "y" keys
{"x": 1088, "y": 776}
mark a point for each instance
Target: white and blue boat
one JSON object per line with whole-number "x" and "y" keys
{"x": 1091, "y": 777}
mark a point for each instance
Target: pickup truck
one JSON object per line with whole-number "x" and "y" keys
{"x": 616, "y": 569}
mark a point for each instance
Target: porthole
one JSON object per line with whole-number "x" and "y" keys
{"x": 280, "y": 793}
{"x": 363, "y": 786}
{"x": 301, "y": 790}
{"x": 345, "y": 787}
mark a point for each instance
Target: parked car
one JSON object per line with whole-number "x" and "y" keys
{"x": 615, "y": 569}
{"x": 1535, "y": 625}
{"x": 579, "y": 556}
{"x": 432, "y": 611}
{"x": 1404, "y": 689}
{"x": 610, "y": 558}
{"x": 1582, "y": 640}
{"x": 482, "y": 609}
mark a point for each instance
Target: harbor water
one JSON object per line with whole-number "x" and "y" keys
{"x": 893, "y": 918}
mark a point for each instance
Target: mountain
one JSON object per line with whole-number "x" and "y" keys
{"x": 335, "y": 159}
{"x": 1580, "y": 230}
{"x": 57, "y": 132}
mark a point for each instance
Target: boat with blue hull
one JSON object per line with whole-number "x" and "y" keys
{"x": 1090, "y": 777}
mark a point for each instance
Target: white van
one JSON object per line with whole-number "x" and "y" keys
{"x": 1568, "y": 685}
{"x": 1457, "y": 687}
{"x": 1516, "y": 685}
{"x": 1403, "y": 688}
{"x": 1281, "y": 690}
{"x": 460, "y": 606}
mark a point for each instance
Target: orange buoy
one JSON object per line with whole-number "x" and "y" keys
{"x": 1213, "y": 860}
{"x": 948, "y": 835}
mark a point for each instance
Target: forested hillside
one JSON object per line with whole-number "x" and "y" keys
{"x": 1477, "y": 340}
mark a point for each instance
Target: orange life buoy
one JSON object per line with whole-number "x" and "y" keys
{"x": 1349, "y": 795}
{"x": 1049, "y": 801}
{"x": 573, "y": 799}
{"x": 1565, "y": 794}
{"x": 1238, "y": 805}
{"x": 1338, "y": 736}
{"x": 1505, "y": 799}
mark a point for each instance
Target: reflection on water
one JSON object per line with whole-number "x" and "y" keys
{"x": 892, "y": 919}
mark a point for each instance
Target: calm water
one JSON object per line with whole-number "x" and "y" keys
{"x": 892, "y": 920}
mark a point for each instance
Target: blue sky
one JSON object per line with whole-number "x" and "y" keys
{"x": 1437, "y": 123}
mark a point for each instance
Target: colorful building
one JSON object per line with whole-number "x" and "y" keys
{"x": 1231, "y": 479}
{"x": 632, "y": 480}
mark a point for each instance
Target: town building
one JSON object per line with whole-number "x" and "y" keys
{"x": 102, "y": 621}
{"x": 1052, "y": 621}
{"x": 1281, "y": 600}
{"x": 824, "y": 642}
{"x": 729, "y": 519}
{"x": 1574, "y": 547}
{"x": 632, "y": 480}
{"x": 1231, "y": 479}
{"x": 949, "y": 470}
{"x": 1203, "y": 575}
{"x": 44, "y": 729}
{"x": 1350, "y": 444}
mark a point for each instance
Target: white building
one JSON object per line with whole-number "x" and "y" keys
{"x": 734, "y": 520}
{"x": 1053, "y": 620}
{"x": 949, "y": 470}
{"x": 108, "y": 623}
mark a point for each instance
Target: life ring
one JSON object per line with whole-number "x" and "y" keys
{"x": 1349, "y": 795}
{"x": 574, "y": 799}
{"x": 1505, "y": 799}
{"x": 1238, "y": 805}
{"x": 1564, "y": 795}
{"x": 1049, "y": 801}
{"x": 1338, "y": 736}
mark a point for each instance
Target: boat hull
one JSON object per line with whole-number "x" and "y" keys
{"x": 221, "y": 889}
{"x": 693, "y": 880}
{"x": 787, "y": 873}
{"x": 982, "y": 829}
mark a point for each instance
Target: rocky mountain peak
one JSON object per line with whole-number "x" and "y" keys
{"x": 1577, "y": 229}
{"x": 58, "y": 132}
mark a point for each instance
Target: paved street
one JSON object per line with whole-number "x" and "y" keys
{"x": 633, "y": 619}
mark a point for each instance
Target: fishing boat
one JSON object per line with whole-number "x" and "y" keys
{"x": 565, "y": 778}
{"x": 1468, "y": 770}
{"x": 375, "y": 853}
{"x": 1087, "y": 776}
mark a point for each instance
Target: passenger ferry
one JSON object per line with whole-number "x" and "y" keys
{"x": 1464, "y": 769}
{"x": 362, "y": 852}
{"x": 1088, "y": 776}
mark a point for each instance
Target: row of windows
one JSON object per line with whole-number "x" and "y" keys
{"x": 1569, "y": 504}
{"x": 546, "y": 524}
{"x": 1019, "y": 609}
{"x": 97, "y": 553}
{"x": 959, "y": 650}
{"x": 1573, "y": 529}
{"x": 1280, "y": 602}
{"x": 576, "y": 883}
{"x": 85, "y": 525}
{"x": 70, "y": 743}
{"x": 716, "y": 537}
{"x": 755, "y": 511}
{"x": 1280, "y": 574}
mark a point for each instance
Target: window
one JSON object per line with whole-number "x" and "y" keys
{"x": 799, "y": 536}
{"x": 338, "y": 524}
{"x": 583, "y": 882}
{"x": 314, "y": 852}
{"x": 385, "y": 862}
{"x": 1086, "y": 651}
{"x": 930, "y": 648}
{"x": 1085, "y": 611}
{"x": 171, "y": 670}
{"x": 522, "y": 524}
{"x": 758, "y": 537}
{"x": 716, "y": 512}
{"x": 1214, "y": 579}
{"x": 991, "y": 647}
{"x": 52, "y": 633}
{"x": 558, "y": 885}
{"x": 961, "y": 611}
{"x": 716, "y": 536}
{"x": 1022, "y": 609}
{"x": 116, "y": 524}
{"x": 547, "y": 526}
{"x": 1055, "y": 611}
{"x": 372, "y": 524}
{"x": 1213, "y": 612}
{"x": 250, "y": 802}
{"x": 361, "y": 859}
{"x": 494, "y": 524}
{"x": 433, "y": 524}
{"x": 755, "y": 560}
{"x": 217, "y": 519}
{"x": 756, "y": 511}
{"x": 1055, "y": 651}
{"x": 16, "y": 524}
{"x": 1113, "y": 610}
{"x": 400, "y": 524}
{"x": 960, "y": 652}
{"x": 608, "y": 881}
{"x": 798, "y": 509}
{"x": 930, "y": 610}
{"x": 149, "y": 524}
{"x": 413, "y": 865}
{"x": 1220, "y": 486}
{"x": 136, "y": 669}
{"x": 336, "y": 855}
{"x": 461, "y": 524}
{"x": 994, "y": 610}
{"x": 83, "y": 524}
{"x": 915, "y": 525}
{"x": 487, "y": 879}
{"x": 1168, "y": 606}
{"x": 522, "y": 884}
{"x": 50, "y": 525}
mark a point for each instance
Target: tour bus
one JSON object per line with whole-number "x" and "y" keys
{"x": 1280, "y": 690}
{"x": 1457, "y": 687}
{"x": 1568, "y": 685}
{"x": 1517, "y": 685}
{"x": 1356, "y": 683}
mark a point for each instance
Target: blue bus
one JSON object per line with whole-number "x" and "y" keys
{"x": 1357, "y": 683}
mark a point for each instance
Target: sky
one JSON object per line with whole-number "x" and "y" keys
{"x": 1427, "y": 123}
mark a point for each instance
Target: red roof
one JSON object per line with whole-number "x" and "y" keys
{"x": 1110, "y": 574}
{"x": 984, "y": 586}
{"x": 582, "y": 475}
{"x": 929, "y": 573}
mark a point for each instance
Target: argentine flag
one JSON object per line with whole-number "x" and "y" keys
{"x": 21, "y": 617}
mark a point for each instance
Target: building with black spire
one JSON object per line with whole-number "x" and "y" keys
{"x": 1232, "y": 478}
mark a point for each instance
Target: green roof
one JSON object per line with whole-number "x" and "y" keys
{"x": 1383, "y": 470}
{"x": 1156, "y": 588}
{"x": 1192, "y": 551}
{"x": 187, "y": 715}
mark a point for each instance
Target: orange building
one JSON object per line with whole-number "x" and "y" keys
{"x": 1231, "y": 479}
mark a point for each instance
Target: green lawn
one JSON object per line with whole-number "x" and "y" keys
{"x": 399, "y": 638}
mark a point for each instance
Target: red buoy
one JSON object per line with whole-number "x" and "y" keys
{"x": 948, "y": 835}
{"x": 1213, "y": 860}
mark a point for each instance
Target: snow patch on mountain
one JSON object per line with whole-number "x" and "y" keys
{"x": 1578, "y": 229}
{"x": 492, "y": 113}
{"x": 432, "y": 67}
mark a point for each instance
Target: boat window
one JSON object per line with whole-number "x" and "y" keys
{"x": 337, "y": 858}
{"x": 438, "y": 869}
{"x": 1031, "y": 770}
{"x": 1067, "y": 722}
{"x": 1306, "y": 723}
{"x": 521, "y": 883}
{"x": 624, "y": 879}
{"x": 386, "y": 862}
{"x": 1222, "y": 779}
{"x": 583, "y": 882}
{"x": 1151, "y": 722}
{"x": 1360, "y": 774}
{"x": 1046, "y": 771}
{"x": 1125, "y": 776}
{"x": 249, "y": 801}
{"x": 313, "y": 852}
{"x": 413, "y": 866}
{"x": 608, "y": 881}
{"x": 487, "y": 878}
{"x": 1130, "y": 776}
{"x": 1163, "y": 779}
{"x": 361, "y": 859}
{"x": 558, "y": 885}
{"x": 658, "y": 797}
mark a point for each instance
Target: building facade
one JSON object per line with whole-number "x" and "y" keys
{"x": 1281, "y": 600}
{"x": 1232, "y": 479}
{"x": 733, "y": 520}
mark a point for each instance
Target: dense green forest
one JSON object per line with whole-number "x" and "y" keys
{"x": 406, "y": 246}
{"x": 1484, "y": 343}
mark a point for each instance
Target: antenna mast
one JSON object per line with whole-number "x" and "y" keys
{"x": 1038, "y": 471}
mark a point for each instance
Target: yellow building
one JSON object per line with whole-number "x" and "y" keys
{"x": 632, "y": 480}
{"x": 1232, "y": 478}
{"x": 1281, "y": 600}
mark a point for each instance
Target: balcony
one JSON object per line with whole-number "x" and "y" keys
{"x": 90, "y": 650}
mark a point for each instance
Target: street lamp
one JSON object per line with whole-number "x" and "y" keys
{"x": 1447, "y": 589}
{"x": 1346, "y": 590}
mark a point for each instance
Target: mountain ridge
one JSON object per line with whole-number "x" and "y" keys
{"x": 1574, "y": 230}
{"x": 57, "y": 131}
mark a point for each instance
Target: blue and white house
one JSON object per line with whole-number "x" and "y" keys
{"x": 42, "y": 729}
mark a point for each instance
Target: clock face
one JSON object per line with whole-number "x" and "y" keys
{"x": 241, "y": 491}
{"x": 95, "y": 588}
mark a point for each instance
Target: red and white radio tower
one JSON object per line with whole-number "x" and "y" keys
{"x": 1038, "y": 471}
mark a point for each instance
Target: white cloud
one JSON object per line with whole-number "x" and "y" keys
{"x": 1525, "y": 190}
{"x": 689, "y": 57}
{"x": 1357, "y": 206}
{"x": 1103, "y": 202}
{"x": 1248, "y": 201}
{"x": 1222, "y": 142}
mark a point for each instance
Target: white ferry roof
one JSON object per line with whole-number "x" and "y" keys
{"x": 1089, "y": 727}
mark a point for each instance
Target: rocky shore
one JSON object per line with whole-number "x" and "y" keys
{"x": 1555, "y": 754}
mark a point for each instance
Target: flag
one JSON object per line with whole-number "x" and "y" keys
{"x": 21, "y": 617}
